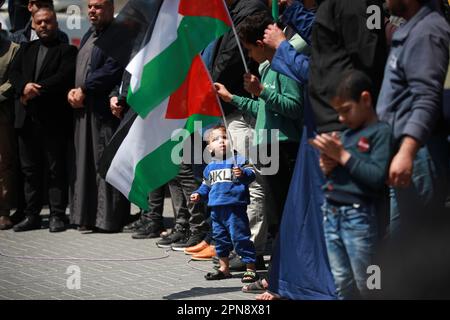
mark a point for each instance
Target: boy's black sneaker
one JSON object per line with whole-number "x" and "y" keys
{"x": 181, "y": 244}
{"x": 178, "y": 235}
{"x": 194, "y": 239}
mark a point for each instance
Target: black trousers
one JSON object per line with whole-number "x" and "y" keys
{"x": 188, "y": 215}
{"x": 43, "y": 151}
{"x": 278, "y": 184}
{"x": 156, "y": 205}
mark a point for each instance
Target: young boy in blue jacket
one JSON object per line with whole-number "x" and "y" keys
{"x": 225, "y": 187}
{"x": 356, "y": 165}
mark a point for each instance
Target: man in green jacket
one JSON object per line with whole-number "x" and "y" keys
{"x": 279, "y": 105}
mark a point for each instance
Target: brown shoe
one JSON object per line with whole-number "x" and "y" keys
{"x": 206, "y": 254}
{"x": 197, "y": 248}
{"x": 5, "y": 223}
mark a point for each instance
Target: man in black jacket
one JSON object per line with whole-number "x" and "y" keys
{"x": 26, "y": 34}
{"x": 42, "y": 74}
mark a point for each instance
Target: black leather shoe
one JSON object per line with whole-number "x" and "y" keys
{"x": 29, "y": 223}
{"x": 133, "y": 226}
{"x": 17, "y": 216}
{"x": 56, "y": 224}
{"x": 148, "y": 231}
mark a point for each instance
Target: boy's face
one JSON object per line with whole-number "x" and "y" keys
{"x": 256, "y": 51}
{"x": 218, "y": 142}
{"x": 352, "y": 113}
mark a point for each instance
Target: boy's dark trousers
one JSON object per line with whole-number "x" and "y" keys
{"x": 231, "y": 230}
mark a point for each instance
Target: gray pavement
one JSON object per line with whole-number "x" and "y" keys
{"x": 112, "y": 266}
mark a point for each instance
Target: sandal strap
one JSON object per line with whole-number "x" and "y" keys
{"x": 249, "y": 273}
{"x": 257, "y": 285}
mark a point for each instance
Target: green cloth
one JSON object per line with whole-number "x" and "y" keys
{"x": 279, "y": 106}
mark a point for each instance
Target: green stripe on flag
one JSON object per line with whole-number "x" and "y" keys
{"x": 157, "y": 168}
{"x": 164, "y": 74}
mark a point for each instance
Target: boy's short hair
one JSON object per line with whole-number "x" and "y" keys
{"x": 252, "y": 28}
{"x": 352, "y": 84}
{"x": 217, "y": 127}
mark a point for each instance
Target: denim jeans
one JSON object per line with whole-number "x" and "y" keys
{"x": 426, "y": 195}
{"x": 351, "y": 236}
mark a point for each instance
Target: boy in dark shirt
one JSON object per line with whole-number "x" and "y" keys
{"x": 356, "y": 165}
{"x": 225, "y": 187}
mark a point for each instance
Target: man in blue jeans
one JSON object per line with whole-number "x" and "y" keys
{"x": 411, "y": 102}
{"x": 415, "y": 262}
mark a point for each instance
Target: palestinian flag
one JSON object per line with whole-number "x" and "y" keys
{"x": 132, "y": 28}
{"x": 170, "y": 88}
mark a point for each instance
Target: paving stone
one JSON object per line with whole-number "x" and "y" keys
{"x": 171, "y": 277}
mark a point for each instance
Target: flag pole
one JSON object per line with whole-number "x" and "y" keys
{"x": 240, "y": 48}
{"x": 237, "y": 39}
{"x": 275, "y": 10}
{"x": 238, "y": 42}
{"x": 246, "y": 71}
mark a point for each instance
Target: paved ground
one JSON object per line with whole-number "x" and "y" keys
{"x": 154, "y": 274}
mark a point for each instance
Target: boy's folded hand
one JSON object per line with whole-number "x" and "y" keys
{"x": 331, "y": 146}
{"x": 327, "y": 164}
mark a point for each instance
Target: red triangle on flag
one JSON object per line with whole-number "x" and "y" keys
{"x": 205, "y": 8}
{"x": 196, "y": 95}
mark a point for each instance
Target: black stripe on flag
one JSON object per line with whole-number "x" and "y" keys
{"x": 110, "y": 151}
{"x": 130, "y": 30}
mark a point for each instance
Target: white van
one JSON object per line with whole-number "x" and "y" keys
{"x": 71, "y": 15}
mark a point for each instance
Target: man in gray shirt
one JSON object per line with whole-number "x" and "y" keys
{"x": 411, "y": 102}
{"x": 95, "y": 204}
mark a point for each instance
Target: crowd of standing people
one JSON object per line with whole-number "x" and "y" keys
{"x": 362, "y": 107}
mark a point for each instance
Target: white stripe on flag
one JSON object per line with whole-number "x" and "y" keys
{"x": 145, "y": 136}
{"x": 163, "y": 35}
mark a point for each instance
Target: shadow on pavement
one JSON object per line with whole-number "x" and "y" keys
{"x": 200, "y": 291}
